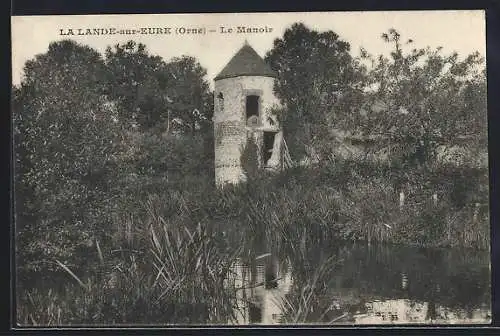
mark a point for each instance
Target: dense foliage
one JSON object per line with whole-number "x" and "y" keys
{"x": 77, "y": 149}
{"x": 428, "y": 103}
{"x": 313, "y": 68}
{"x": 67, "y": 139}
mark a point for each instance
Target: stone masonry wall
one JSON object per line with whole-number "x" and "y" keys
{"x": 230, "y": 122}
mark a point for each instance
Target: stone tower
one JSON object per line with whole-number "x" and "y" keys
{"x": 243, "y": 99}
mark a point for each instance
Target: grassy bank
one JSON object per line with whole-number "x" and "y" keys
{"x": 169, "y": 247}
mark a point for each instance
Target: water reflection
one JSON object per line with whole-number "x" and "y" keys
{"x": 262, "y": 287}
{"x": 366, "y": 285}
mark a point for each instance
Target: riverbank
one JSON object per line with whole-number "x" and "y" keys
{"x": 169, "y": 246}
{"x": 446, "y": 207}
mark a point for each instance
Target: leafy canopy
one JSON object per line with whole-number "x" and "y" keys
{"x": 312, "y": 69}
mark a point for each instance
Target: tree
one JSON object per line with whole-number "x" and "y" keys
{"x": 138, "y": 82}
{"x": 192, "y": 101}
{"x": 159, "y": 97}
{"x": 152, "y": 93}
{"x": 422, "y": 102}
{"x": 67, "y": 137}
{"x": 313, "y": 68}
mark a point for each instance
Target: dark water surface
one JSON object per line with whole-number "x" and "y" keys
{"x": 360, "y": 284}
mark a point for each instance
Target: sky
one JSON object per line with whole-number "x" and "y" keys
{"x": 461, "y": 31}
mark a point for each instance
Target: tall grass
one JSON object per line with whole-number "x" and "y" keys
{"x": 168, "y": 254}
{"x": 164, "y": 273}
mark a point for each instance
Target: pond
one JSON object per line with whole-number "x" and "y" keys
{"x": 348, "y": 283}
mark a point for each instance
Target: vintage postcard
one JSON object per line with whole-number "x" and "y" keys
{"x": 320, "y": 168}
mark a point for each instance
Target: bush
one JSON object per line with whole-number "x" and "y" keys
{"x": 162, "y": 232}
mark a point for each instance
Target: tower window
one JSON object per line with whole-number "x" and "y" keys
{"x": 252, "y": 106}
{"x": 255, "y": 313}
{"x": 220, "y": 100}
{"x": 271, "y": 277}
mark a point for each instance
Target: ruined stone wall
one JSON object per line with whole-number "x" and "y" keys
{"x": 230, "y": 137}
{"x": 230, "y": 122}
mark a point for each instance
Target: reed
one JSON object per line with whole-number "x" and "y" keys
{"x": 175, "y": 277}
{"x": 309, "y": 302}
{"x": 166, "y": 258}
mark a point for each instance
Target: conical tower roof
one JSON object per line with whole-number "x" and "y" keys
{"x": 246, "y": 62}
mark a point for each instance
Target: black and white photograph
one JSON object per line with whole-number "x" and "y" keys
{"x": 251, "y": 169}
